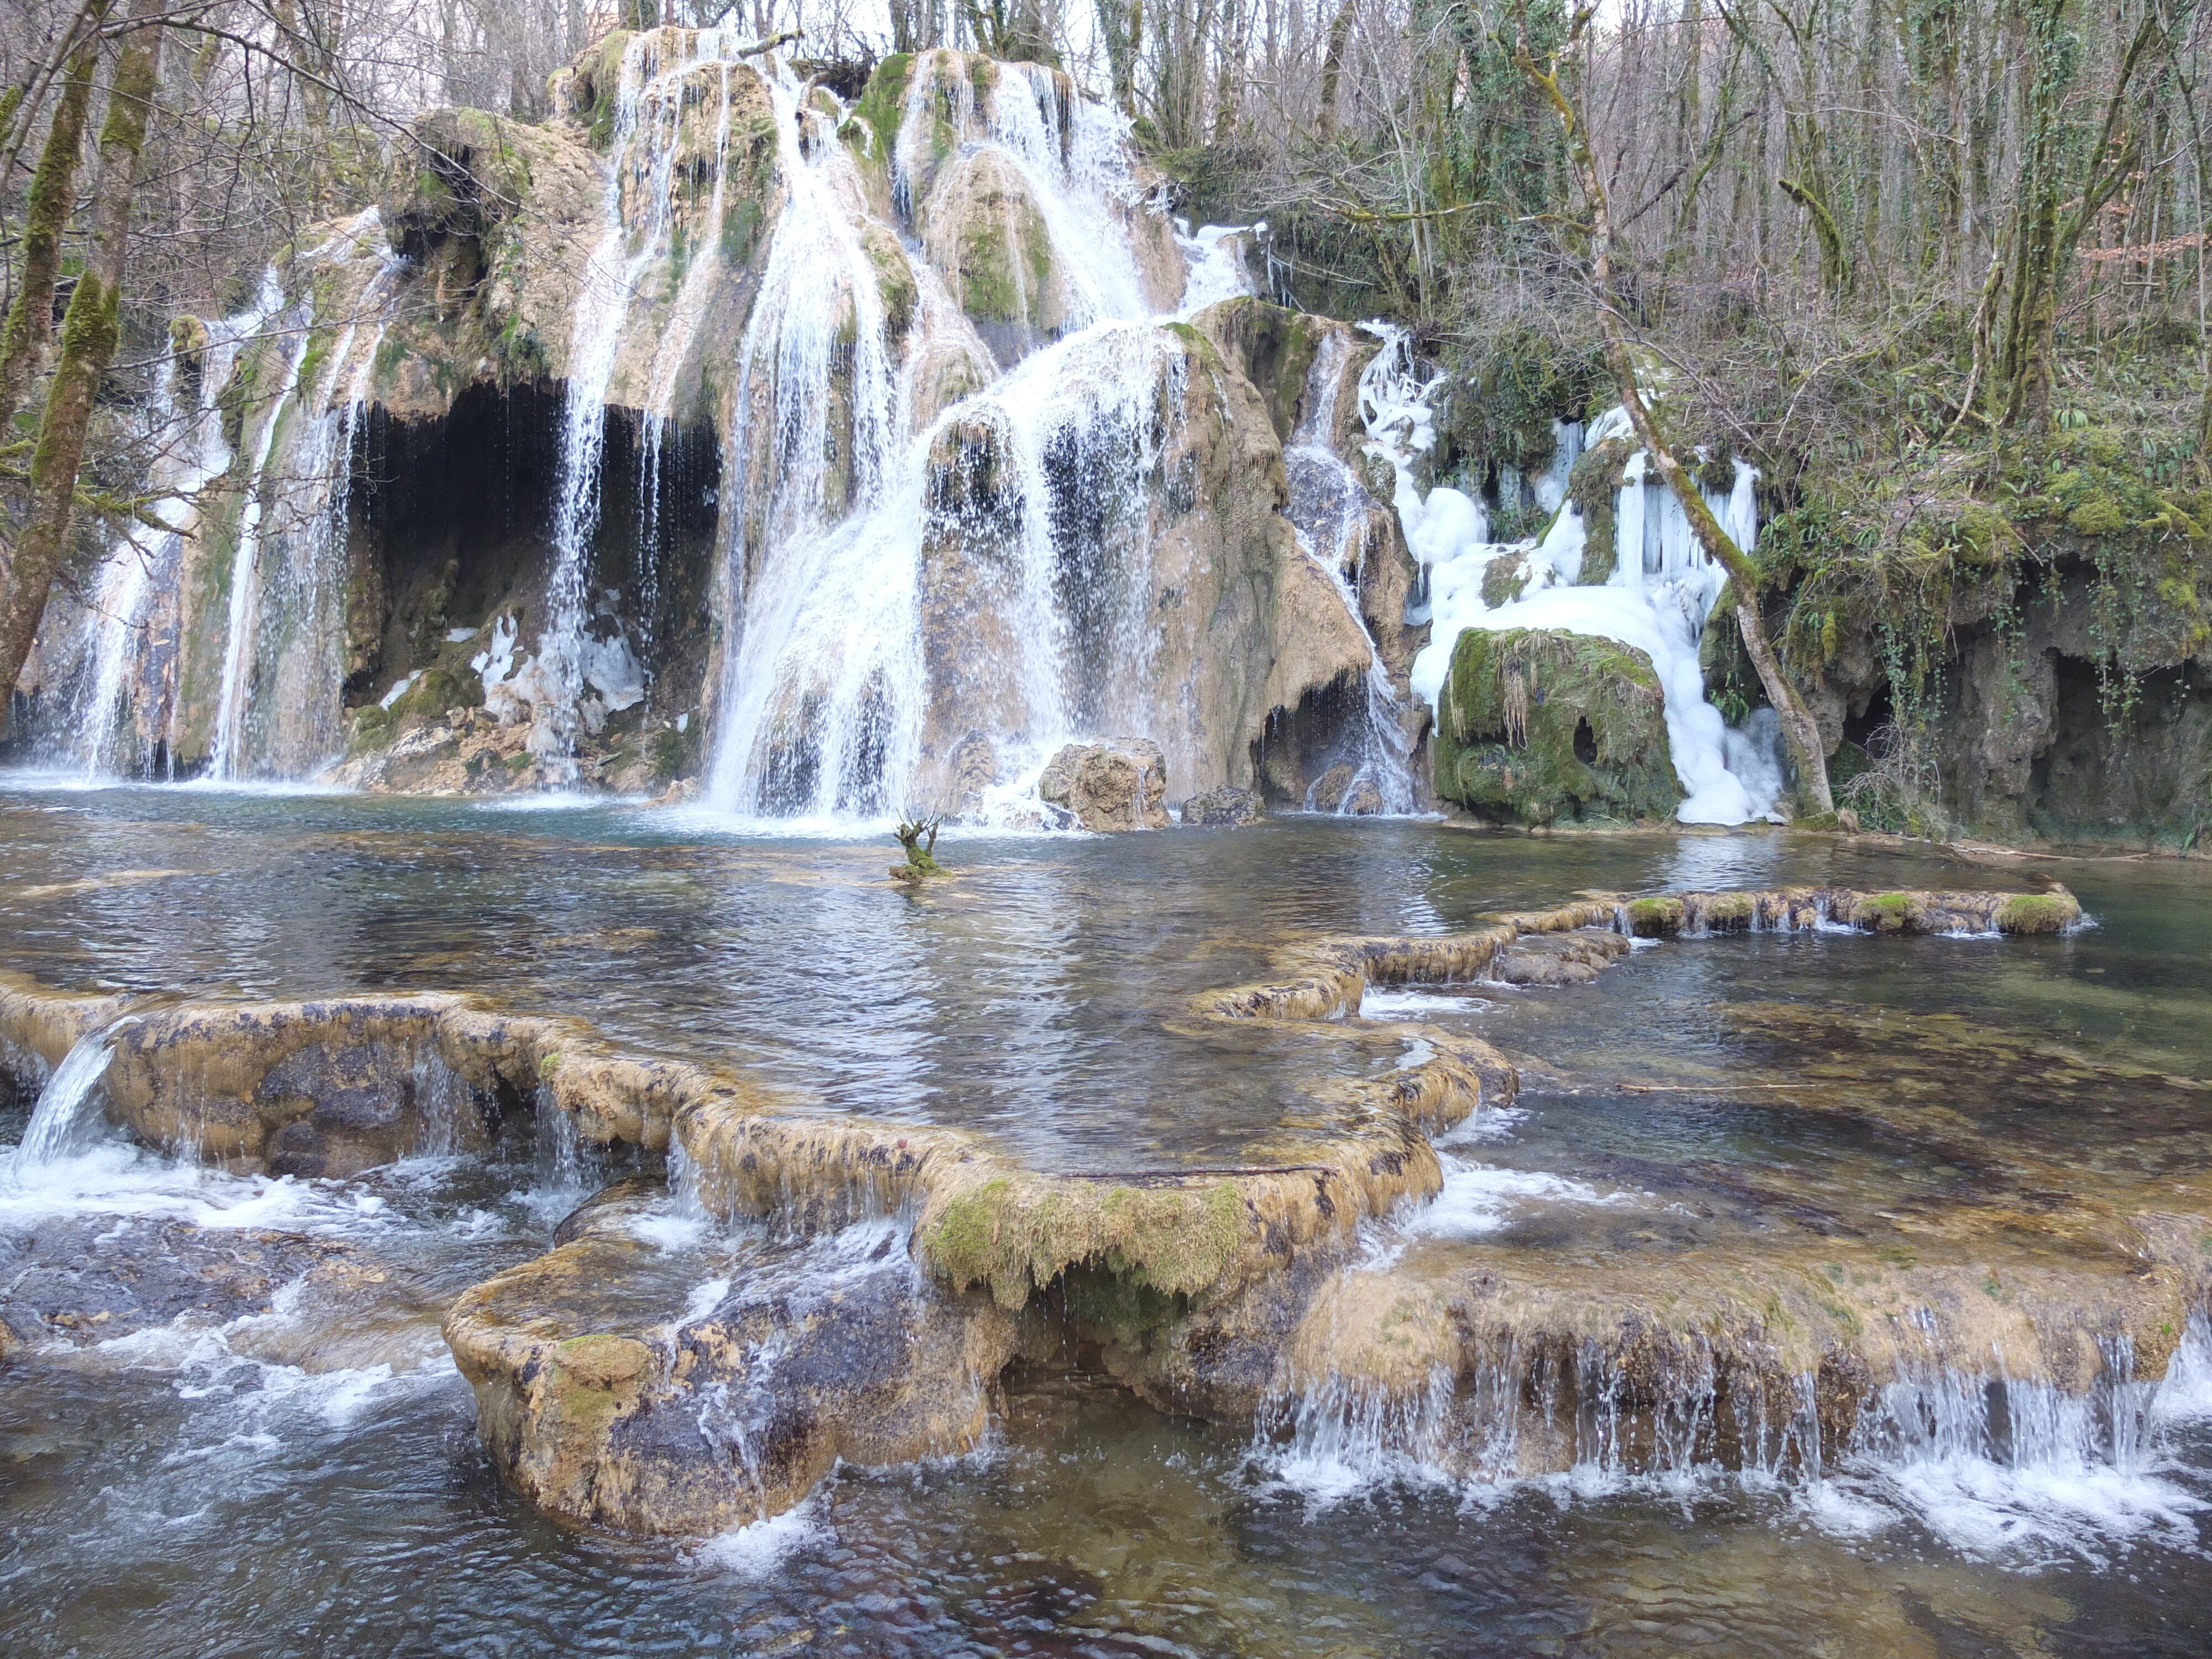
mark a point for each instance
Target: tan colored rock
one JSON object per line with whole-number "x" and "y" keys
{"x": 702, "y": 1425}
{"x": 1118, "y": 784}
{"x": 1227, "y": 807}
{"x": 1568, "y": 958}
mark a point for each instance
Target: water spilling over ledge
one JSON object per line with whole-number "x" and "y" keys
{"x": 1261, "y": 1292}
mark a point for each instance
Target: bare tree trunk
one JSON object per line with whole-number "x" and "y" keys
{"x": 1332, "y": 66}
{"x": 30, "y": 328}
{"x": 1120, "y": 32}
{"x": 2055, "y": 211}
{"x": 89, "y": 332}
{"x": 1798, "y": 726}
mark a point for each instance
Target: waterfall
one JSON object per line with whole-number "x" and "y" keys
{"x": 68, "y": 1106}
{"x": 638, "y": 221}
{"x": 918, "y": 540}
{"x": 1662, "y": 590}
{"x": 117, "y": 619}
{"x": 1328, "y": 507}
{"x": 226, "y": 760}
{"x": 125, "y": 679}
{"x": 286, "y": 624}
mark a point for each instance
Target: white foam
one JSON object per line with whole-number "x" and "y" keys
{"x": 2036, "y": 1517}
{"x": 1415, "y": 1005}
{"x": 1477, "y": 1199}
{"x": 669, "y": 1228}
{"x": 120, "y": 1180}
{"x": 704, "y": 1299}
{"x": 757, "y": 1549}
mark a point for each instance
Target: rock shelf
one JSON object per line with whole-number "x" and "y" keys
{"x": 1238, "y": 1293}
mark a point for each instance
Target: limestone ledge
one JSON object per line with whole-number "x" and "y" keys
{"x": 1228, "y": 1292}
{"x": 1324, "y": 980}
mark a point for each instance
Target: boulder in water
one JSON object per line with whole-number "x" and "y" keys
{"x": 1342, "y": 789}
{"x": 1225, "y": 808}
{"x": 1121, "y": 783}
{"x": 602, "y": 1409}
{"x": 1541, "y": 727}
{"x": 1574, "y": 957}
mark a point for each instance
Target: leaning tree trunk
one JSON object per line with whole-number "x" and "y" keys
{"x": 88, "y": 339}
{"x": 1802, "y": 730}
{"x": 30, "y": 327}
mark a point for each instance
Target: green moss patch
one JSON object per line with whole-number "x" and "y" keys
{"x": 2037, "y": 913}
{"x": 1539, "y": 726}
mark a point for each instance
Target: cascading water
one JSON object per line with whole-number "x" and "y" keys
{"x": 650, "y": 99}
{"x": 909, "y": 555}
{"x": 1330, "y": 506}
{"x": 226, "y": 759}
{"x": 276, "y": 712}
{"x": 66, "y": 1114}
{"x": 1657, "y": 598}
{"x": 123, "y": 702}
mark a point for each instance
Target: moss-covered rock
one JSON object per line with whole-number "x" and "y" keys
{"x": 1890, "y": 913}
{"x": 1537, "y": 727}
{"x": 1592, "y": 486}
{"x": 1274, "y": 347}
{"x": 2038, "y": 913}
{"x": 872, "y": 128}
{"x": 462, "y": 177}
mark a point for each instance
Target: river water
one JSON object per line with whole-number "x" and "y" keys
{"x": 305, "y": 1477}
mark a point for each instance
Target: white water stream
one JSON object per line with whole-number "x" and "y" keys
{"x": 1329, "y": 507}
{"x": 846, "y": 476}
{"x": 124, "y": 700}
{"x": 1657, "y": 599}
{"x": 286, "y": 622}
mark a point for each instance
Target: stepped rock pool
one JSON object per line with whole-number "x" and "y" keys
{"x": 228, "y": 1422}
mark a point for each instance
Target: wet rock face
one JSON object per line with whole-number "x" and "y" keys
{"x": 817, "y": 1351}
{"x": 1570, "y": 958}
{"x": 91, "y": 1279}
{"x": 1225, "y": 808}
{"x": 1193, "y": 616}
{"x": 1342, "y": 789}
{"x": 1118, "y": 784}
{"x": 306, "y": 1089}
{"x": 1542, "y": 727}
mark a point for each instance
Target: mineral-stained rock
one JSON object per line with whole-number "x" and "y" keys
{"x": 1536, "y": 727}
{"x": 604, "y": 1403}
{"x": 308, "y": 1089}
{"x": 1342, "y": 790}
{"x": 1570, "y": 958}
{"x": 1121, "y": 783}
{"x": 1225, "y": 808}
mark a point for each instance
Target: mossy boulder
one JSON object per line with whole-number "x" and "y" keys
{"x": 1892, "y": 913}
{"x": 1274, "y": 347}
{"x": 2038, "y": 913}
{"x": 1535, "y": 726}
{"x": 872, "y": 128}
